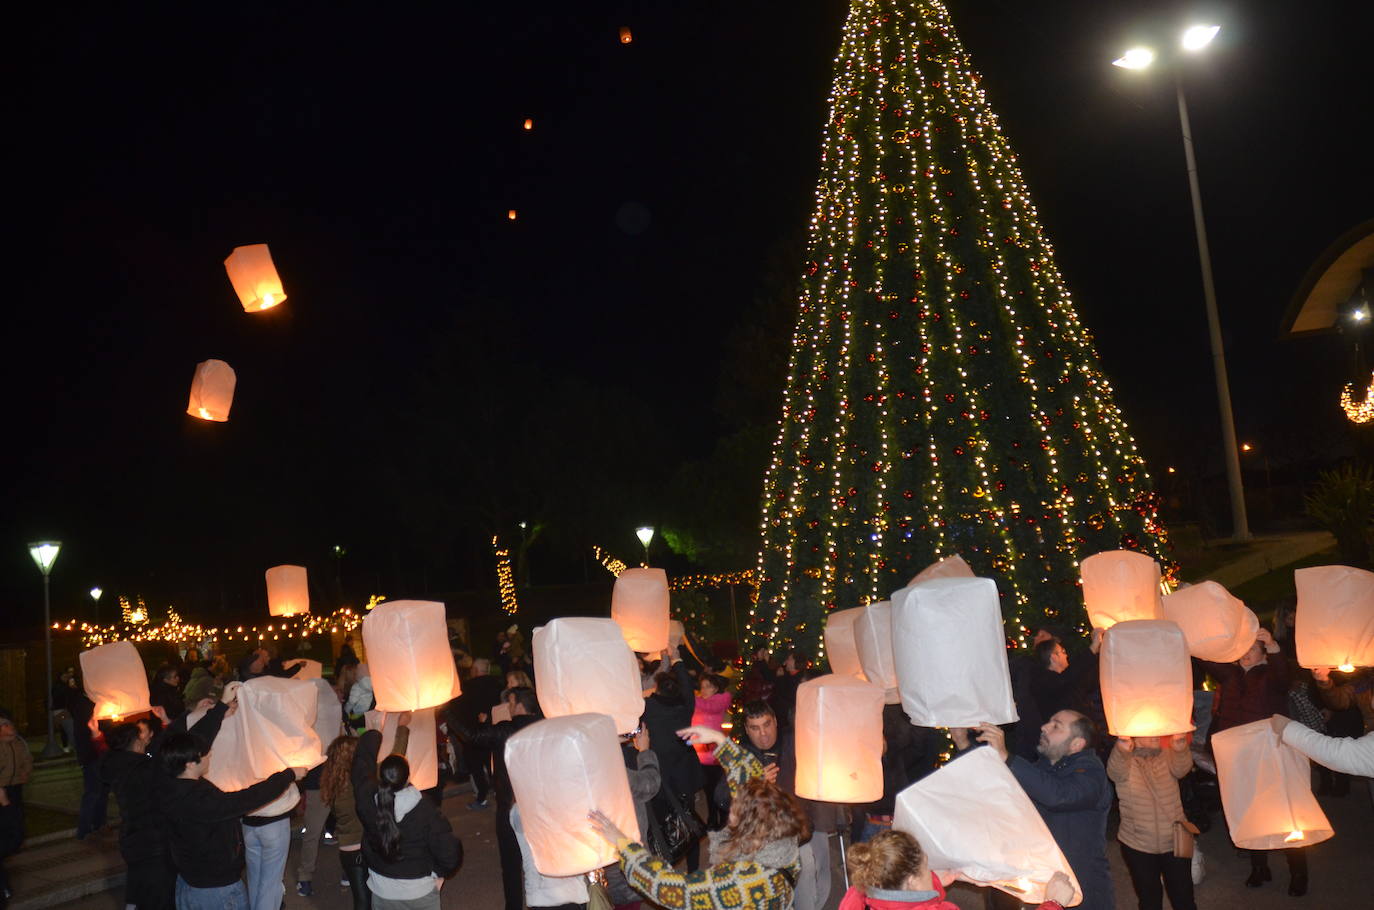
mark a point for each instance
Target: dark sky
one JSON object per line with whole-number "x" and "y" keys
{"x": 377, "y": 147}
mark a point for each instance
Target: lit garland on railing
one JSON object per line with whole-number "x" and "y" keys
{"x": 681, "y": 582}
{"x": 505, "y": 578}
{"x": 609, "y": 562}
{"x": 177, "y": 631}
{"x": 1362, "y": 411}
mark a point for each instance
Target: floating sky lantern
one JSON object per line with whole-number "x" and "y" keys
{"x": 1119, "y": 585}
{"x": 949, "y": 567}
{"x": 1266, "y": 790}
{"x": 1147, "y": 679}
{"x": 408, "y": 655}
{"x": 1217, "y": 626}
{"x": 639, "y": 605}
{"x": 839, "y": 740}
{"x": 114, "y": 678}
{"x": 511, "y": 215}
{"x": 583, "y": 666}
{"x": 212, "y": 391}
{"x": 529, "y": 123}
{"x": 873, "y": 636}
{"x": 840, "y": 644}
{"x": 1335, "y": 618}
{"x": 626, "y": 36}
{"x": 288, "y": 591}
{"x": 254, "y": 277}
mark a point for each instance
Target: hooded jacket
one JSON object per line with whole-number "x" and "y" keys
{"x": 1073, "y": 796}
{"x": 428, "y": 846}
{"x": 203, "y": 825}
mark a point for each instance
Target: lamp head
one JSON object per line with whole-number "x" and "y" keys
{"x": 645, "y": 534}
{"x": 44, "y": 553}
{"x": 1196, "y": 37}
{"x": 1137, "y": 58}
{"x": 96, "y": 592}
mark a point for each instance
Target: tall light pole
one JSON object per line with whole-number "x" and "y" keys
{"x": 44, "y": 553}
{"x": 1194, "y": 39}
{"x": 645, "y": 534}
{"x": 95, "y": 598}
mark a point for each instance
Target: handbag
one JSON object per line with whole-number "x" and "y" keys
{"x": 1185, "y": 838}
{"x": 674, "y": 834}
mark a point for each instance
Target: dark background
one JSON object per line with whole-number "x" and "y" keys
{"x": 611, "y": 358}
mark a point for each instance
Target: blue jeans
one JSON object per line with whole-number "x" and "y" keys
{"x": 228, "y": 897}
{"x": 265, "y": 848}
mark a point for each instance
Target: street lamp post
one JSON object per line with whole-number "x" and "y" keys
{"x": 44, "y": 554}
{"x": 96, "y": 592}
{"x": 1194, "y": 39}
{"x": 645, "y": 534}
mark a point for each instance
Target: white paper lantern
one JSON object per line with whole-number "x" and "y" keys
{"x": 1266, "y": 790}
{"x": 840, "y": 644}
{"x": 583, "y": 666}
{"x": 254, "y": 277}
{"x": 1119, "y": 585}
{"x": 1147, "y": 679}
{"x": 408, "y": 655}
{"x": 639, "y": 604}
{"x": 288, "y": 591}
{"x": 212, "y": 391}
{"x": 873, "y": 637}
{"x": 328, "y": 712}
{"x": 422, "y": 746}
{"x": 310, "y": 669}
{"x": 1217, "y": 626}
{"x": 1335, "y": 618}
{"x": 272, "y": 729}
{"x": 114, "y": 678}
{"x": 561, "y": 769}
{"x": 949, "y": 567}
{"x": 975, "y": 823}
{"x": 839, "y": 740}
{"x": 951, "y": 653}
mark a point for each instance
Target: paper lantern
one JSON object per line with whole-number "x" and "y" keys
{"x": 288, "y": 591}
{"x": 873, "y": 638}
{"x": 1266, "y": 790}
{"x": 254, "y": 277}
{"x": 328, "y": 712}
{"x": 511, "y": 215}
{"x": 976, "y": 823}
{"x": 212, "y": 391}
{"x": 951, "y": 653}
{"x": 529, "y": 123}
{"x": 1119, "y": 585}
{"x": 408, "y": 655}
{"x": 273, "y": 729}
{"x": 1217, "y": 626}
{"x": 949, "y": 567}
{"x": 310, "y": 669}
{"x": 840, "y": 644}
{"x": 561, "y": 769}
{"x": 115, "y": 680}
{"x": 839, "y": 740}
{"x": 422, "y": 746}
{"x": 583, "y": 666}
{"x": 639, "y": 604}
{"x": 626, "y": 36}
{"x": 1335, "y": 619}
{"x": 1147, "y": 679}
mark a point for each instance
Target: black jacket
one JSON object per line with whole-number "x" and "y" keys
{"x": 428, "y": 844}
{"x": 203, "y": 826}
{"x": 493, "y": 739}
{"x": 663, "y": 717}
{"x": 167, "y": 697}
{"x": 480, "y": 695}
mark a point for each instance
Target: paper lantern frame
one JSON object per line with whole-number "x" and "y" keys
{"x": 1334, "y": 625}
{"x": 1147, "y": 679}
{"x": 839, "y": 740}
{"x": 212, "y": 391}
{"x": 1266, "y": 790}
{"x": 840, "y": 645}
{"x": 1120, "y": 585}
{"x": 639, "y": 605}
{"x": 409, "y": 658}
{"x": 582, "y": 665}
{"x": 288, "y": 590}
{"x": 114, "y": 678}
{"x": 254, "y": 277}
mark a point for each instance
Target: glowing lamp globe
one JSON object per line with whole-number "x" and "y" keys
{"x": 422, "y": 746}
{"x": 1266, "y": 790}
{"x": 254, "y": 277}
{"x": 1217, "y": 626}
{"x": 839, "y": 740}
{"x": 561, "y": 769}
{"x": 639, "y": 605}
{"x": 288, "y": 591}
{"x": 949, "y": 567}
{"x": 212, "y": 391}
{"x": 1335, "y": 618}
{"x": 114, "y": 678}
{"x": 873, "y": 636}
{"x": 1147, "y": 679}
{"x": 1119, "y": 585}
{"x": 408, "y": 655}
{"x": 840, "y": 644}
{"x": 582, "y": 665}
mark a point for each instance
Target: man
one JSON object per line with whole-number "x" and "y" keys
{"x": 165, "y": 692}
{"x": 16, "y": 764}
{"x": 1069, "y": 787}
{"x": 1339, "y": 753}
{"x": 481, "y": 691}
{"x": 259, "y": 662}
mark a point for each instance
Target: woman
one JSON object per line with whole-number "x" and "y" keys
{"x": 336, "y": 791}
{"x": 16, "y": 764}
{"x": 890, "y": 872}
{"x": 712, "y": 704}
{"x": 1146, "y": 772}
{"x": 666, "y": 711}
{"x": 408, "y": 844}
{"x": 755, "y": 860}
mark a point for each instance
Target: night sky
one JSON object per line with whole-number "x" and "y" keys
{"x": 377, "y": 148}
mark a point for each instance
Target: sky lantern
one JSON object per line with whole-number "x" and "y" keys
{"x": 328, "y": 711}
{"x": 1266, "y": 790}
{"x": 422, "y": 746}
{"x": 115, "y": 680}
{"x": 272, "y": 729}
{"x": 254, "y": 277}
{"x": 839, "y": 740}
{"x": 975, "y": 823}
{"x": 582, "y": 665}
{"x": 951, "y": 653}
{"x": 212, "y": 391}
{"x": 626, "y": 36}
{"x": 949, "y": 567}
{"x": 840, "y": 645}
{"x": 1335, "y": 618}
{"x": 310, "y": 669}
{"x": 288, "y": 591}
{"x": 1147, "y": 679}
{"x": 873, "y": 636}
{"x": 561, "y": 769}
{"x": 511, "y": 215}
{"x": 408, "y": 655}
{"x": 1120, "y": 585}
{"x": 1217, "y": 626}
{"x": 529, "y": 123}
{"x": 639, "y": 605}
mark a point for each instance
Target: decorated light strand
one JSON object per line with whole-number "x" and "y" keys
{"x": 177, "y": 631}
{"x": 505, "y": 578}
{"x": 1362, "y": 411}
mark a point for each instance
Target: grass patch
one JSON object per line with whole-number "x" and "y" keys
{"x": 39, "y": 821}
{"x": 1277, "y": 584}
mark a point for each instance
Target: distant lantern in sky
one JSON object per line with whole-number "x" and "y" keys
{"x": 625, "y": 35}
{"x": 212, "y": 391}
{"x": 288, "y": 591}
{"x": 254, "y": 277}
{"x": 529, "y": 123}
{"x": 511, "y": 214}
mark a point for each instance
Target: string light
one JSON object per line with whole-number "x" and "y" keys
{"x": 505, "y": 578}
{"x": 609, "y": 562}
{"x": 176, "y": 630}
{"x": 1361, "y": 411}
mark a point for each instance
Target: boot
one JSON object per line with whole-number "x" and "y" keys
{"x": 1297, "y": 885}
{"x": 1259, "y": 870}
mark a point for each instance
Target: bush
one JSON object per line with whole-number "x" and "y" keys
{"x": 1343, "y": 502}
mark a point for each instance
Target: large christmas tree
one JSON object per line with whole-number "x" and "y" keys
{"x": 942, "y": 397}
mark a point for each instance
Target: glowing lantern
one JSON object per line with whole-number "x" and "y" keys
{"x": 254, "y": 277}
{"x": 873, "y": 636}
{"x": 510, "y": 215}
{"x": 976, "y": 823}
{"x": 951, "y": 653}
{"x": 115, "y": 680}
{"x": 408, "y": 655}
{"x": 583, "y": 666}
{"x": 288, "y": 591}
{"x": 1335, "y": 619}
{"x": 1119, "y": 585}
{"x": 310, "y": 669}
{"x": 212, "y": 391}
{"x": 625, "y": 35}
{"x": 839, "y": 740}
{"x": 273, "y": 729}
{"x": 529, "y": 123}
{"x": 840, "y": 643}
{"x": 949, "y": 567}
{"x": 1217, "y": 626}
{"x": 1266, "y": 790}
{"x": 561, "y": 769}
{"x": 328, "y": 711}
{"x": 1147, "y": 679}
{"x": 422, "y": 747}
{"x": 639, "y": 605}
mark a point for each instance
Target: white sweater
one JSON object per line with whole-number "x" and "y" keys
{"x": 1352, "y": 756}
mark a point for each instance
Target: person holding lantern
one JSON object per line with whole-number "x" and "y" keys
{"x": 1146, "y": 771}
{"x": 1339, "y": 753}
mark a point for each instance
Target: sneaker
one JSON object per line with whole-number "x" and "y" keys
{"x": 479, "y": 804}
{"x": 304, "y": 889}
{"x": 329, "y": 837}
{"x": 343, "y": 883}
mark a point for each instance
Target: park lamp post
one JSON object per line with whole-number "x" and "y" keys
{"x": 44, "y": 553}
{"x": 645, "y": 534}
{"x": 1194, "y": 39}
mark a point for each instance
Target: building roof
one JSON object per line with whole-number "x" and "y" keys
{"x": 1342, "y": 271}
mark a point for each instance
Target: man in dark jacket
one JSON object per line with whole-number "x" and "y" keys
{"x": 481, "y": 692}
{"x": 165, "y": 692}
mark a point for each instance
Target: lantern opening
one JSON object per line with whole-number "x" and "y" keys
{"x": 267, "y": 301}
{"x": 1346, "y": 668}
{"x": 1293, "y": 836}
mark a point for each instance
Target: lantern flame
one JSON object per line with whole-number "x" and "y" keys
{"x": 1293, "y": 837}
{"x": 204, "y": 413}
{"x": 268, "y": 301}
{"x": 1346, "y": 668}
